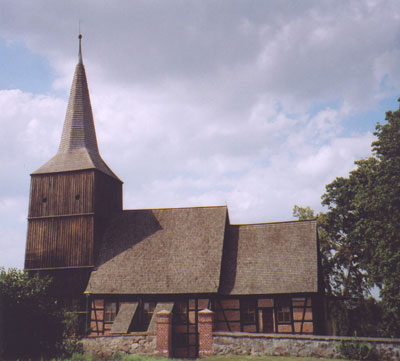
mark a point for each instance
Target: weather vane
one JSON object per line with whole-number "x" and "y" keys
{"x": 80, "y": 38}
{"x": 79, "y": 28}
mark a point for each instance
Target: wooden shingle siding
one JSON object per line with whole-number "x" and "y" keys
{"x": 56, "y": 194}
{"x": 67, "y": 217}
{"x": 60, "y": 242}
{"x": 108, "y": 195}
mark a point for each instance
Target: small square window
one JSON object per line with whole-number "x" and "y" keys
{"x": 284, "y": 314}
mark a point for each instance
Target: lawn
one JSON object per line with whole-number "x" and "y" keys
{"x": 267, "y": 358}
{"x": 120, "y": 357}
{"x": 123, "y": 357}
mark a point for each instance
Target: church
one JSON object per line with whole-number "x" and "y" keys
{"x": 119, "y": 268}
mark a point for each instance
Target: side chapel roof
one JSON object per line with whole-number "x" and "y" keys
{"x": 270, "y": 258}
{"x": 78, "y": 148}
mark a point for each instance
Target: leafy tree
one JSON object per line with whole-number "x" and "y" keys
{"x": 363, "y": 224}
{"x": 349, "y": 311}
{"x": 33, "y": 323}
{"x": 303, "y": 213}
{"x": 341, "y": 275}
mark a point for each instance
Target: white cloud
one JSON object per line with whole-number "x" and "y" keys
{"x": 12, "y": 229}
{"x": 204, "y": 103}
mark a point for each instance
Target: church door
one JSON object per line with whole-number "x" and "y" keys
{"x": 267, "y": 320}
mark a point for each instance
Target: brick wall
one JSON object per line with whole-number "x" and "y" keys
{"x": 164, "y": 333}
{"x": 205, "y": 332}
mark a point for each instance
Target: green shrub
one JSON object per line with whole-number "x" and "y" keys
{"x": 356, "y": 350}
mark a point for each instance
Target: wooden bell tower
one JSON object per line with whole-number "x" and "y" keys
{"x": 72, "y": 196}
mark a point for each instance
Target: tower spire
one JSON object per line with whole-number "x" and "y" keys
{"x": 78, "y": 148}
{"x": 80, "y": 49}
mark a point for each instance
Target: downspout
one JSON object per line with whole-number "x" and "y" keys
{"x": 87, "y": 314}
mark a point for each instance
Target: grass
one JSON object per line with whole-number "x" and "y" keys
{"x": 267, "y": 358}
{"x": 125, "y": 357}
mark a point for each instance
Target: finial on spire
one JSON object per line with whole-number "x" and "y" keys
{"x": 80, "y": 49}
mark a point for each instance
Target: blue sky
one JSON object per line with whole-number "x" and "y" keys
{"x": 23, "y": 69}
{"x": 257, "y": 105}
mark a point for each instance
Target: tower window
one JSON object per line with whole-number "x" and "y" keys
{"x": 77, "y": 197}
{"x": 44, "y": 199}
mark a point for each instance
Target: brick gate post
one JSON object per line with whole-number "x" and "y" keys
{"x": 164, "y": 333}
{"x": 205, "y": 332}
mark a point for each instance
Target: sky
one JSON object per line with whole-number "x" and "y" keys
{"x": 256, "y": 105}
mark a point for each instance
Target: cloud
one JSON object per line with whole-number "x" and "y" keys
{"x": 203, "y": 103}
{"x": 29, "y": 132}
{"x": 13, "y": 212}
{"x": 303, "y": 53}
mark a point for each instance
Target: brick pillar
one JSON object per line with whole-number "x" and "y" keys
{"x": 164, "y": 333}
{"x": 205, "y": 332}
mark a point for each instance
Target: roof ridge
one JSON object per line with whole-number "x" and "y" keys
{"x": 275, "y": 222}
{"x": 167, "y": 208}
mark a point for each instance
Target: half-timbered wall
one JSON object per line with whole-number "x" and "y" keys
{"x": 283, "y": 314}
{"x": 265, "y": 315}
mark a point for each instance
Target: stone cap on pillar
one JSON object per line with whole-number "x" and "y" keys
{"x": 163, "y": 316}
{"x": 163, "y": 312}
{"x": 206, "y": 316}
{"x": 206, "y": 310}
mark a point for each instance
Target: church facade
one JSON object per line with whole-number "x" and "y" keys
{"x": 121, "y": 267}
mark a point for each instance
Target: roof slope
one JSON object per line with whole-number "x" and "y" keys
{"x": 270, "y": 258}
{"x": 161, "y": 251}
{"x": 78, "y": 148}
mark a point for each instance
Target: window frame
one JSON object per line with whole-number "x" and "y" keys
{"x": 110, "y": 310}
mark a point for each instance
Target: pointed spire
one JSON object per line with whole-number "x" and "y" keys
{"x": 80, "y": 49}
{"x": 79, "y": 131}
{"x": 78, "y": 148}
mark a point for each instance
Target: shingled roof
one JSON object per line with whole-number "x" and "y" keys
{"x": 161, "y": 251}
{"x": 270, "y": 258}
{"x": 195, "y": 250}
{"x": 78, "y": 148}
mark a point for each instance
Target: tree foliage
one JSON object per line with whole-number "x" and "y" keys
{"x": 362, "y": 226}
{"x": 303, "y": 213}
{"x": 33, "y": 323}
